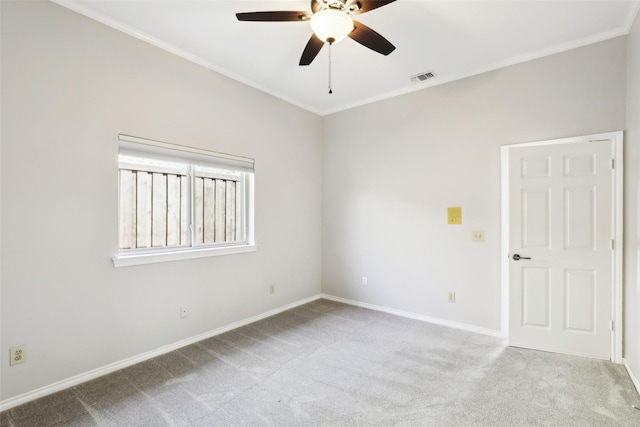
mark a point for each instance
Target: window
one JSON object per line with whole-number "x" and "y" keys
{"x": 178, "y": 202}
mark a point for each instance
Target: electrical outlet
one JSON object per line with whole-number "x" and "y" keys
{"x": 452, "y": 297}
{"x": 477, "y": 236}
{"x": 183, "y": 312}
{"x": 364, "y": 280}
{"x": 18, "y": 354}
{"x": 272, "y": 288}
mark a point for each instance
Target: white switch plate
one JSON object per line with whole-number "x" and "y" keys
{"x": 183, "y": 312}
{"x": 452, "y": 297}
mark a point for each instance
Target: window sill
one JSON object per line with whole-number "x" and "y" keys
{"x": 138, "y": 259}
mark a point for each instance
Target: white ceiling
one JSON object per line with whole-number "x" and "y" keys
{"x": 453, "y": 39}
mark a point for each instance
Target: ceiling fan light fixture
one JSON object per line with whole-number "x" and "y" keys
{"x": 331, "y": 25}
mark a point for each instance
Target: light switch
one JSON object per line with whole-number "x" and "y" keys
{"x": 454, "y": 215}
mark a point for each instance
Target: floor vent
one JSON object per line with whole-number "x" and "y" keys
{"x": 422, "y": 76}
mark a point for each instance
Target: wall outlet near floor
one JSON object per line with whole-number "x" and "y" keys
{"x": 364, "y": 280}
{"x": 452, "y": 297}
{"x": 183, "y": 312}
{"x": 272, "y": 288}
{"x": 477, "y": 236}
{"x": 18, "y": 354}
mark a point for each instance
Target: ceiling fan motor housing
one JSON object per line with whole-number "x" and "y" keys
{"x": 341, "y": 5}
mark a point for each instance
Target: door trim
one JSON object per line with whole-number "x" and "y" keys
{"x": 617, "y": 216}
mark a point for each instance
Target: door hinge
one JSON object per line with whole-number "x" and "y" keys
{"x": 611, "y": 324}
{"x": 612, "y": 245}
{"x": 613, "y": 163}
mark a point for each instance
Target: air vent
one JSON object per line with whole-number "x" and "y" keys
{"x": 422, "y": 76}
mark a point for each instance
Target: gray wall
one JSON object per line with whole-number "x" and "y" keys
{"x": 632, "y": 204}
{"x": 392, "y": 168}
{"x": 69, "y": 86}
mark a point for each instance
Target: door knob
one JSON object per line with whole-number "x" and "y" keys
{"x": 517, "y": 257}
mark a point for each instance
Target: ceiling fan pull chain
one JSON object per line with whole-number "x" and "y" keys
{"x": 330, "y": 91}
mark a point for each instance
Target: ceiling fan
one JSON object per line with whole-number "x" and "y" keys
{"x": 331, "y": 22}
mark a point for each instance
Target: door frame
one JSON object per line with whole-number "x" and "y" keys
{"x": 617, "y": 217}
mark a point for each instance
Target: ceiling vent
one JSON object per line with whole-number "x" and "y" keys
{"x": 422, "y": 76}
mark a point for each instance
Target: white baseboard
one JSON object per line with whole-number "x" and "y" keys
{"x": 410, "y": 315}
{"x": 634, "y": 379}
{"x": 104, "y": 370}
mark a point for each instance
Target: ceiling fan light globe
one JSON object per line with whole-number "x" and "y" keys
{"x": 331, "y": 24}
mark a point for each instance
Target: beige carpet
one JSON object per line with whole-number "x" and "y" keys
{"x": 328, "y": 364}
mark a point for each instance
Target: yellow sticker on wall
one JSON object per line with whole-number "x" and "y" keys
{"x": 454, "y": 215}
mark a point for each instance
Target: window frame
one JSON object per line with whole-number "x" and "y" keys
{"x": 194, "y": 158}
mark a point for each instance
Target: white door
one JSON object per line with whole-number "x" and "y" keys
{"x": 560, "y": 228}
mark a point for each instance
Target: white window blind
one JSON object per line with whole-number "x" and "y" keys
{"x": 150, "y": 149}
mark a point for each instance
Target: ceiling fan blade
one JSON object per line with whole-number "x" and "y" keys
{"x": 311, "y": 50}
{"x": 367, "y": 5}
{"x": 273, "y": 16}
{"x": 369, "y": 38}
